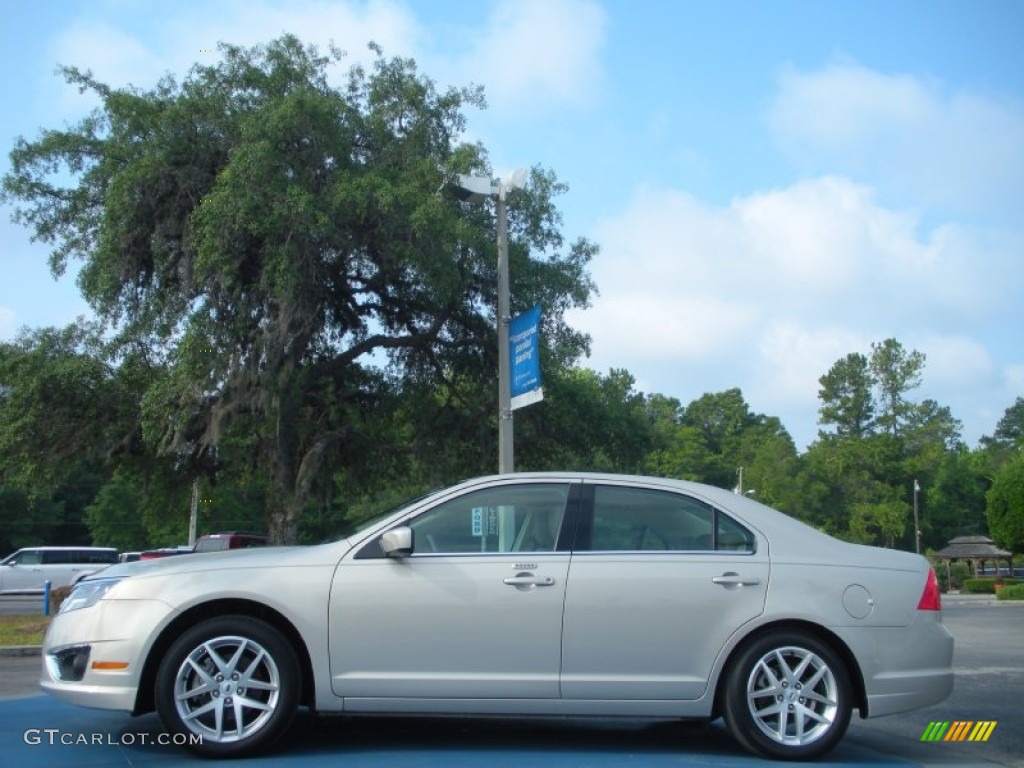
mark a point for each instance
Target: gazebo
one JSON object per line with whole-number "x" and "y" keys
{"x": 976, "y": 550}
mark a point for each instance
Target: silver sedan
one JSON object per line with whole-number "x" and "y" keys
{"x": 528, "y": 594}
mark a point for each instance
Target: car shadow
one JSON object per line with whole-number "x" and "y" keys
{"x": 500, "y": 741}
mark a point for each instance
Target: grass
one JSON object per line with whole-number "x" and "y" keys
{"x": 1011, "y": 592}
{"x": 22, "y": 630}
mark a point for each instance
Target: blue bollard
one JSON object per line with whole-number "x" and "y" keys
{"x": 46, "y": 598}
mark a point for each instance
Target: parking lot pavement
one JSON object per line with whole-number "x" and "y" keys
{"x": 21, "y": 605}
{"x": 19, "y": 675}
{"x": 41, "y": 733}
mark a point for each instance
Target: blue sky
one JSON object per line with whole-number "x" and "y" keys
{"x": 773, "y": 185}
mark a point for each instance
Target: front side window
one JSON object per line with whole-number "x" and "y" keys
{"x": 25, "y": 557}
{"x": 507, "y": 518}
{"x": 641, "y": 519}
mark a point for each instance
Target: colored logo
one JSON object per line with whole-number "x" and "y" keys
{"x": 959, "y": 730}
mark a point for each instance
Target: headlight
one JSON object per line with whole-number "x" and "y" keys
{"x": 86, "y": 594}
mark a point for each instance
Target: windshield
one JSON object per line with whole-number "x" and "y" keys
{"x": 371, "y": 521}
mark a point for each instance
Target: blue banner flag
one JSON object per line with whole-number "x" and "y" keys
{"x": 524, "y": 351}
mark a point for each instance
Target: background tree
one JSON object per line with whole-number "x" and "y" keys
{"x": 1009, "y": 432}
{"x": 720, "y": 420}
{"x": 895, "y": 371}
{"x": 587, "y": 422}
{"x": 1008, "y": 437}
{"x": 275, "y": 243}
{"x": 34, "y": 519}
{"x": 116, "y": 515}
{"x": 846, "y": 399}
{"x": 770, "y": 463}
{"x": 676, "y": 450}
{"x": 953, "y": 498}
{"x": 711, "y": 438}
{"x": 61, "y": 403}
{"x": 1005, "y": 509}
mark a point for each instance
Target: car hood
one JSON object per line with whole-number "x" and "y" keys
{"x": 256, "y": 557}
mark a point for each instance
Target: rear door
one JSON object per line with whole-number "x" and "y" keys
{"x": 658, "y": 582}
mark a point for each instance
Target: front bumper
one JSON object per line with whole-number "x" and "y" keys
{"x": 110, "y": 641}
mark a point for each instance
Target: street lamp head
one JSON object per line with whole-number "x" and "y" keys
{"x": 517, "y": 179}
{"x": 473, "y": 189}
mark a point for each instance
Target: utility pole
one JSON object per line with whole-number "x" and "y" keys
{"x": 917, "y": 521}
{"x": 194, "y": 514}
{"x": 506, "y": 460}
{"x": 476, "y": 189}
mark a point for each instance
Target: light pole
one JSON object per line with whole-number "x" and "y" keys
{"x": 476, "y": 189}
{"x": 917, "y": 521}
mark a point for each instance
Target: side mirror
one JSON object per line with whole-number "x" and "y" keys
{"x": 397, "y": 542}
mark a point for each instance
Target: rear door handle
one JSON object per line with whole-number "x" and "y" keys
{"x": 528, "y": 580}
{"x": 735, "y": 580}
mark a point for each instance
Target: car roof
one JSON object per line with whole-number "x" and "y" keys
{"x": 788, "y": 537}
{"x": 61, "y": 549}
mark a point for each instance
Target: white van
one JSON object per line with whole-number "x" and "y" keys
{"x": 27, "y": 569}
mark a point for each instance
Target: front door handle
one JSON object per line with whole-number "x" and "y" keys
{"x": 732, "y": 579}
{"x": 528, "y": 580}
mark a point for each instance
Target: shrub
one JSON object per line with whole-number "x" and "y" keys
{"x": 961, "y": 572}
{"x": 1011, "y": 592}
{"x": 57, "y": 596}
{"x": 980, "y": 586}
{"x": 987, "y": 586}
{"x": 953, "y": 577}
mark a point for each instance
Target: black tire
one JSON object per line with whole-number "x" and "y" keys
{"x": 787, "y": 696}
{"x": 244, "y": 679}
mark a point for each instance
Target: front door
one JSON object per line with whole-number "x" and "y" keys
{"x": 475, "y": 612}
{"x": 24, "y": 571}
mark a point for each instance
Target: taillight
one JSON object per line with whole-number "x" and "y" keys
{"x": 931, "y": 599}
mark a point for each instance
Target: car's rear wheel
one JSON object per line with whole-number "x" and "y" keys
{"x": 230, "y": 685}
{"x": 788, "y": 695}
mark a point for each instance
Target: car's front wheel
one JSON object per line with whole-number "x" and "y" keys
{"x": 788, "y": 695}
{"x": 230, "y": 685}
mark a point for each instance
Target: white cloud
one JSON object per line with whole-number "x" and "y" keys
{"x": 538, "y": 53}
{"x": 767, "y": 292}
{"x": 530, "y": 55}
{"x": 7, "y": 321}
{"x": 1014, "y": 377}
{"x": 670, "y": 326}
{"x": 350, "y": 25}
{"x": 963, "y": 373}
{"x": 116, "y": 57}
{"x": 791, "y": 358}
{"x": 958, "y": 362}
{"x": 929, "y": 143}
{"x": 112, "y": 55}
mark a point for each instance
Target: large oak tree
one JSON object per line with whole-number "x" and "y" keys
{"x": 285, "y": 250}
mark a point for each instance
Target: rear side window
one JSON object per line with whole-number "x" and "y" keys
{"x": 211, "y": 545}
{"x": 641, "y": 519}
{"x": 732, "y": 537}
{"x": 59, "y": 556}
{"x": 84, "y": 556}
